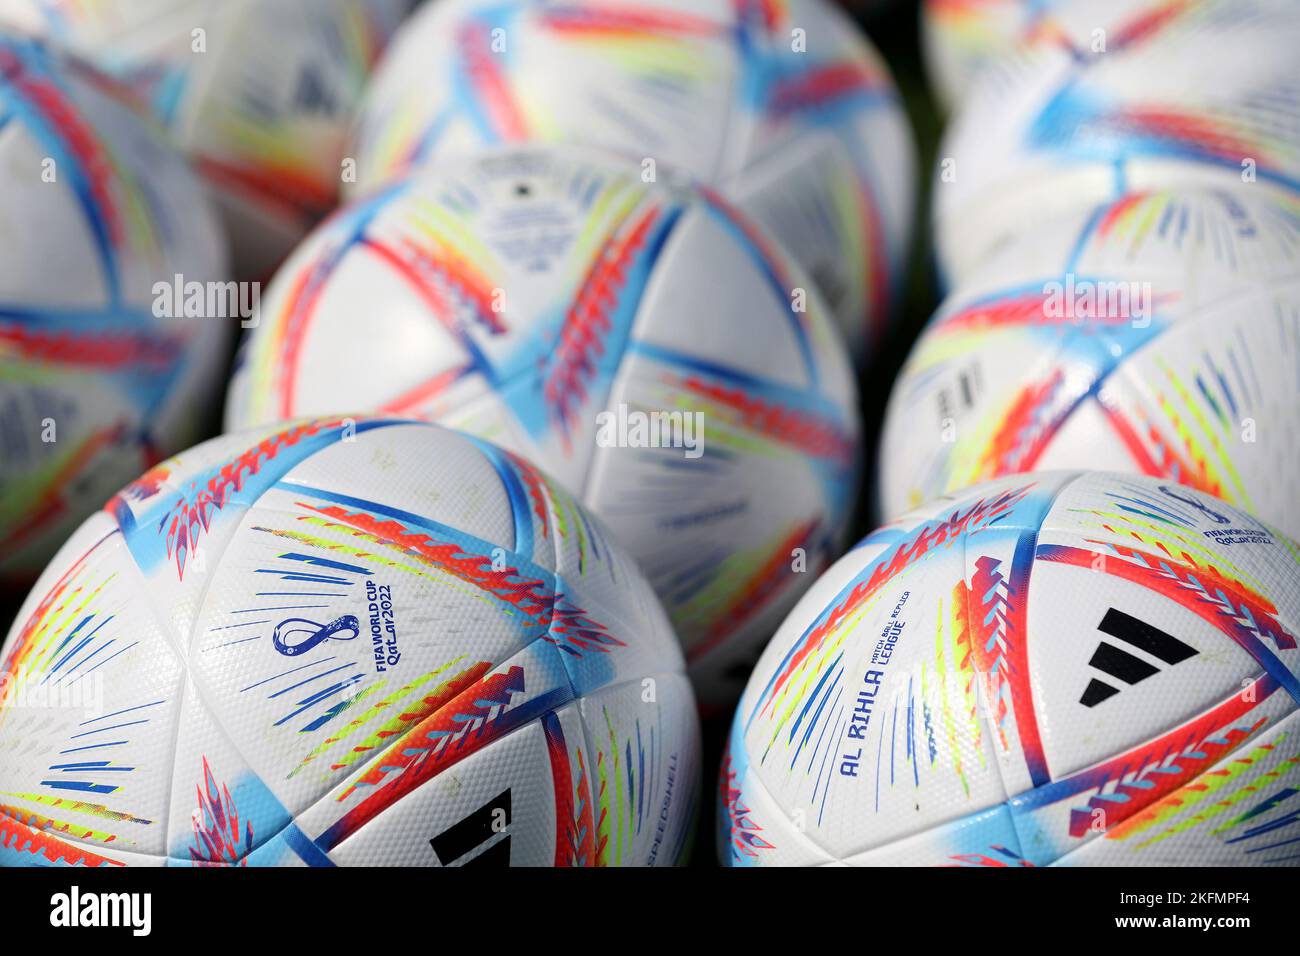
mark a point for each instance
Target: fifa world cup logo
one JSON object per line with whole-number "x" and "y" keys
{"x": 1212, "y": 515}
{"x": 287, "y": 631}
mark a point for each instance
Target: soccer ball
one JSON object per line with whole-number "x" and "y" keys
{"x": 258, "y": 93}
{"x": 645, "y": 344}
{"x": 784, "y": 108}
{"x": 370, "y": 642}
{"x": 1057, "y": 668}
{"x": 99, "y": 376}
{"x": 1204, "y": 95}
{"x": 1152, "y": 335}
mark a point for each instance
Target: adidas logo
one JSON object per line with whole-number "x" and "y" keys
{"x": 1125, "y": 666}
{"x": 481, "y": 827}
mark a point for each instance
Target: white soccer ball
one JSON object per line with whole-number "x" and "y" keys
{"x": 643, "y": 343}
{"x": 1205, "y": 96}
{"x": 1057, "y": 668}
{"x": 258, "y": 93}
{"x": 784, "y": 108}
{"x": 371, "y": 642}
{"x": 1156, "y": 334}
{"x": 102, "y": 369}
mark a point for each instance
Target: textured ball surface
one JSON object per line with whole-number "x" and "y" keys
{"x": 784, "y": 108}
{"x": 641, "y": 343}
{"x": 1157, "y": 334}
{"x": 374, "y": 642}
{"x": 959, "y": 37}
{"x": 97, "y": 381}
{"x": 1057, "y": 668}
{"x": 258, "y": 93}
{"x": 1202, "y": 95}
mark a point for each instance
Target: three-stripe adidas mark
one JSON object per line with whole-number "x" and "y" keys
{"x": 462, "y": 838}
{"x": 1122, "y": 665}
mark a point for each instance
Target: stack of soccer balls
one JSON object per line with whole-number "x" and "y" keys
{"x": 1033, "y": 663}
{"x": 541, "y": 436}
{"x": 628, "y": 248}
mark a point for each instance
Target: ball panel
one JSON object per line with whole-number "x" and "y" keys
{"x": 753, "y": 830}
{"x": 1234, "y": 813}
{"x": 220, "y": 812}
{"x": 602, "y": 596}
{"x": 88, "y": 730}
{"x": 1118, "y": 662}
{"x": 1186, "y": 529}
{"x": 461, "y": 491}
{"x": 643, "y": 771}
{"x": 477, "y": 708}
{"x": 987, "y": 838}
{"x": 711, "y": 267}
{"x": 1213, "y": 404}
{"x": 323, "y": 307}
{"x": 39, "y": 223}
{"x": 729, "y": 533}
{"x": 498, "y": 807}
